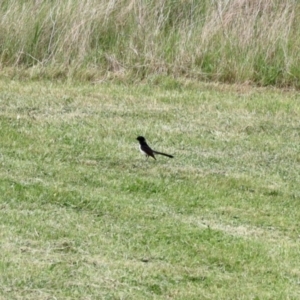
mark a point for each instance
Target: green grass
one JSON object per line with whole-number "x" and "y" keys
{"x": 83, "y": 215}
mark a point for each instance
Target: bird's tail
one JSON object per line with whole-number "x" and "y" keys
{"x": 168, "y": 155}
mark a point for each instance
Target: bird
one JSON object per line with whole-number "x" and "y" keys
{"x": 145, "y": 149}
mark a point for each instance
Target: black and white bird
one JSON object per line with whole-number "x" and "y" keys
{"x": 145, "y": 149}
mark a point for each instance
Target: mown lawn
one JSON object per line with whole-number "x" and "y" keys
{"x": 84, "y": 215}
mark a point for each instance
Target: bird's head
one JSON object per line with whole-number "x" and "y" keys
{"x": 141, "y": 139}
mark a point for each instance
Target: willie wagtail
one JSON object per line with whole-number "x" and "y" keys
{"x": 145, "y": 149}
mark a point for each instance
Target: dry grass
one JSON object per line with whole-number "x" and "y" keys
{"x": 230, "y": 41}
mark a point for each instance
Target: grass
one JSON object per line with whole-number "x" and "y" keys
{"x": 224, "y": 41}
{"x": 84, "y": 216}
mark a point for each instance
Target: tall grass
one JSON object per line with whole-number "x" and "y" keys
{"x": 229, "y": 41}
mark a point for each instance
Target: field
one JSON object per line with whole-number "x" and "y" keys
{"x": 84, "y": 215}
